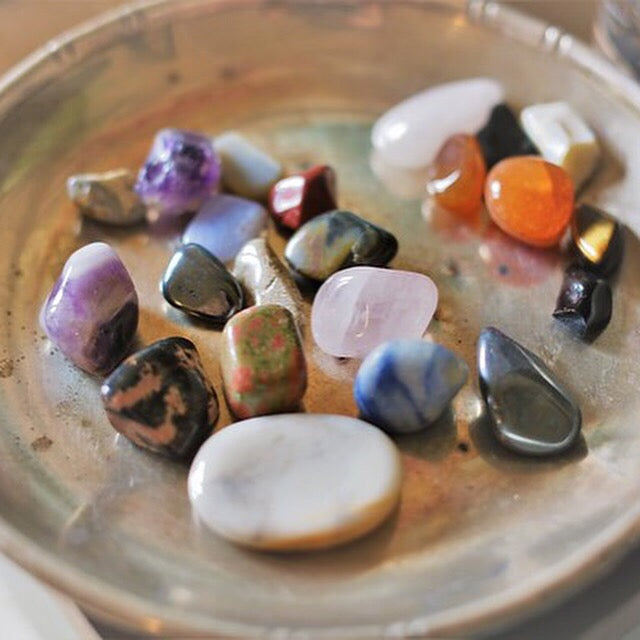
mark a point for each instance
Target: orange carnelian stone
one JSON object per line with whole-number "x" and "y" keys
{"x": 530, "y": 199}
{"x": 456, "y": 176}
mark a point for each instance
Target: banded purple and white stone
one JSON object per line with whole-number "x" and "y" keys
{"x": 91, "y": 313}
{"x": 180, "y": 173}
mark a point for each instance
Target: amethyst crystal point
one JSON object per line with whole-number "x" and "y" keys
{"x": 91, "y": 314}
{"x": 181, "y": 172}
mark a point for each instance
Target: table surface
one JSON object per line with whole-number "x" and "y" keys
{"x": 609, "y": 609}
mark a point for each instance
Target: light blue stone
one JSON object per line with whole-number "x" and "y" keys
{"x": 405, "y": 385}
{"x": 225, "y": 224}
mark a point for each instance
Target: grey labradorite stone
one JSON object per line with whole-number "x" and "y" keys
{"x": 107, "y": 197}
{"x": 532, "y": 412}
{"x": 197, "y": 283}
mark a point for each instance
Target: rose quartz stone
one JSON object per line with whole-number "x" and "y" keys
{"x": 411, "y": 132}
{"x": 357, "y": 309}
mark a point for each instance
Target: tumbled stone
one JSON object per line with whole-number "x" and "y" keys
{"x": 531, "y": 411}
{"x": 266, "y": 280}
{"x": 295, "y": 482}
{"x": 91, "y": 313}
{"x": 404, "y": 386}
{"x": 262, "y": 362}
{"x": 456, "y": 176}
{"x": 246, "y": 170}
{"x": 502, "y": 137}
{"x": 562, "y": 137}
{"x": 336, "y": 240}
{"x": 225, "y": 224}
{"x": 107, "y": 197}
{"x": 530, "y": 199}
{"x": 161, "y": 399}
{"x": 598, "y": 239}
{"x": 584, "y": 303}
{"x": 180, "y": 173}
{"x": 411, "y": 132}
{"x": 358, "y": 309}
{"x": 296, "y": 199}
{"x": 197, "y": 283}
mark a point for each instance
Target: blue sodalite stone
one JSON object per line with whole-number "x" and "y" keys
{"x": 405, "y": 385}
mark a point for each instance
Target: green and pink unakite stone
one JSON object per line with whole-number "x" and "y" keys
{"x": 263, "y": 365}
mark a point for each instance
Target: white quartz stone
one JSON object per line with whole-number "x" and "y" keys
{"x": 295, "y": 481}
{"x": 410, "y": 134}
{"x": 246, "y": 170}
{"x": 562, "y": 137}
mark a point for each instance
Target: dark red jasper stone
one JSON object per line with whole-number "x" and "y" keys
{"x": 584, "y": 303}
{"x": 161, "y": 400}
{"x": 298, "y": 198}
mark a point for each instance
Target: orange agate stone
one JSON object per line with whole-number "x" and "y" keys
{"x": 456, "y": 176}
{"x": 530, "y": 199}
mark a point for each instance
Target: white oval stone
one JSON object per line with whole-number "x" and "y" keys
{"x": 295, "y": 481}
{"x": 563, "y": 138}
{"x": 410, "y": 134}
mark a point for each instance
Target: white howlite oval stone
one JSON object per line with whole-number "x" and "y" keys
{"x": 410, "y": 134}
{"x": 357, "y": 309}
{"x": 562, "y": 137}
{"x": 295, "y": 482}
{"x": 246, "y": 170}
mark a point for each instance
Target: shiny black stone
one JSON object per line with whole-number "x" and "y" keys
{"x": 584, "y": 304}
{"x": 598, "y": 240}
{"x": 161, "y": 399}
{"x": 197, "y": 283}
{"x": 532, "y": 413}
{"x": 502, "y": 137}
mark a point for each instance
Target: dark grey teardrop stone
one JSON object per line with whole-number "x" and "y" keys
{"x": 531, "y": 411}
{"x": 197, "y": 283}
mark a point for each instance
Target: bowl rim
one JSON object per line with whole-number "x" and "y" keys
{"x": 113, "y": 605}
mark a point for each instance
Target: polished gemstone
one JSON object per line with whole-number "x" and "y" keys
{"x": 197, "y": 283}
{"x": 246, "y": 170}
{"x": 598, "y": 239}
{"x": 404, "y": 386}
{"x": 530, "y": 199}
{"x": 295, "y": 482}
{"x": 224, "y": 224}
{"x": 562, "y": 137}
{"x": 262, "y": 362}
{"x": 180, "y": 173}
{"x": 358, "y": 309}
{"x": 107, "y": 197}
{"x": 161, "y": 399}
{"x": 531, "y": 411}
{"x": 91, "y": 313}
{"x": 336, "y": 240}
{"x": 410, "y": 133}
{"x": 503, "y": 137}
{"x": 584, "y": 303}
{"x": 296, "y": 199}
{"x": 456, "y": 176}
{"x": 266, "y": 280}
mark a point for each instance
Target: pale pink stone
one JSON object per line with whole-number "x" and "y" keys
{"x": 411, "y": 132}
{"x": 357, "y": 309}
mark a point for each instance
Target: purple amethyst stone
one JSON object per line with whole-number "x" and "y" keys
{"x": 91, "y": 314}
{"x": 181, "y": 172}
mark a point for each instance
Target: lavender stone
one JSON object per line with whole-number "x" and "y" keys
{"x": 225, "y": 224}
{"x": 91, "y": 314}
{"x": 181, "y": 172}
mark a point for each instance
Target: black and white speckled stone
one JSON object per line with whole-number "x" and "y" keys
{"x": 161, "y": 399}
{"x": 531, "y": 411}
{"x": 197, "y": 283}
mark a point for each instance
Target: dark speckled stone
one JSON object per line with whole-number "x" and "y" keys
{"x": 336, "y": 240}
{"x": 197, "y": 283}
{"x": 160, "y": 398}
{"x": 531, "y": 411}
